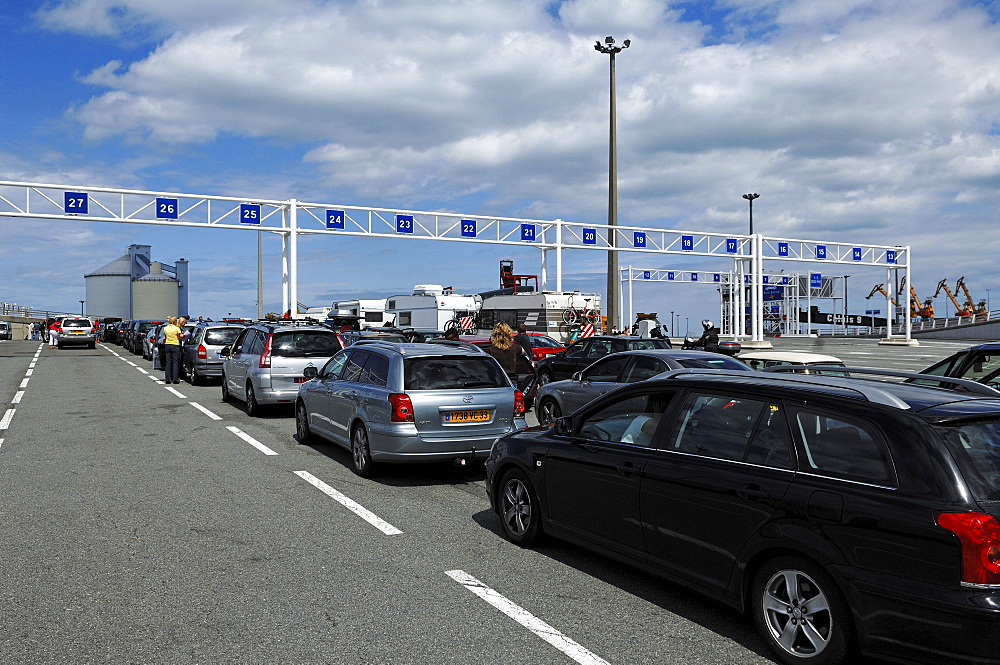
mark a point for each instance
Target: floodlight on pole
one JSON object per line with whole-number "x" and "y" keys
{"x": 750, "y": 198}
{"x": 609, "y": 48}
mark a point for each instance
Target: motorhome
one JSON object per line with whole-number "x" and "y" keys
{"x": 371, "y": 313}
{"x": 559, "y": 315}
{"x": 431, "y": 307}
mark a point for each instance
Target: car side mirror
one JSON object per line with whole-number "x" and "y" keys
{"x": 561, "y": 426}
{"x": 578, "y": 376}
{"x": 310, "y": 372}
{"x": 225, "y": 352}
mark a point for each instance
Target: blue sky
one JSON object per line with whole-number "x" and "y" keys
{"x": 856, "y": 121}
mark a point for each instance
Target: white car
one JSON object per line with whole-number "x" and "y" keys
{"x": 761, "y": 359}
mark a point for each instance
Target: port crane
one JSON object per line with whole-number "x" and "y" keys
{"x": 925, "y": 311}
{"x": 960, "y": 310}
{"x": 970, "y": 305}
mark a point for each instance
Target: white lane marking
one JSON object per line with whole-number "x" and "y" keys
{"x": 24, "y": 383}
{"x": 17, "y": 397}
{"x": 543, "y": 630}
{"x": 29, "y": 372}
{"x": 177, "y": 392}
{"x": 131, "y": 363}
{"x": 205, "y": 411}
{"x": 142, "y": 370}
{"x": 7, "y": 417}
{"x": 31, "y": 365}
{"x": 252, "y": 441}
{"x": 351, "y": 505}
{"x": 157, "y": 379}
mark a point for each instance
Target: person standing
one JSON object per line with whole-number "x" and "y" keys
{"x": 171, "y": 350}
{"x": 54, "y": 333}
{"x": 504, "y": 350}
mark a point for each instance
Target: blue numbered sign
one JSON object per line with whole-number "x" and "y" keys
{"x": 815, "y": 280}
{"x": 528, "y": 232}
{"x": 890, "y": 256}
{"x": 468, "y": 228}
{"x": 820, "y": 251}
{"x": 782, "y": 249}
{"x": 670, "y": 275}
{"x": 639, "y": 239}
{"x": 694, "y": 277}
{"x": 166, "y": 208}
{"x": 249, "y": 213}
{"x": 687, "y": 243}
{"x": 590, "y": 236}
{"x": 335, "y": 219}
{"x": 856, "y": 253}
{"x": 404, "y": 223}
{"x": 76, "y": 203}
{"x": 645, "y": 274}
{"x": 716, "y": 277}
{"x": 732, "y": 246}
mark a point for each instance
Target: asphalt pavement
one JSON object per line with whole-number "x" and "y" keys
{"x": 150, "y": 523}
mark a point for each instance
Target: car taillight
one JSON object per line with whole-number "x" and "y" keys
{"x": 202, "y": 352}
{"x": 979, "y": 536}
{"x": 518, "y": 403}
{"x": 265, "y": 355}
{"x": 401, "y": 408}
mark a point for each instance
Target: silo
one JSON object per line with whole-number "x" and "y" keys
{"x": 109, "y": 289}
{"x": 155, "y": 295}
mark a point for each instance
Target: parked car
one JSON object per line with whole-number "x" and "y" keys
{"x": 77, "y": 330}
{"x": 582, "y": 353}
{"x": 350, "y": 337}
{"x": 543, "y": 346}
{"x": 763, "y": 359}
{"x": 200, "y": 352}
{"x": 265, "y": 364}
{"x": 5, "y": 330}
{"x": 136, "y": 331}
{"x": 408, "y": 403}
{"x": 980, "y": 363}
{"x": 619, "y": 369}
{"x": 835, "y": 512}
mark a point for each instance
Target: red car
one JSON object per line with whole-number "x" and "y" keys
{"x": 543, "y": 345}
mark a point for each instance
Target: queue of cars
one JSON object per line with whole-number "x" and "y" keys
{"x": 839, "y": 512}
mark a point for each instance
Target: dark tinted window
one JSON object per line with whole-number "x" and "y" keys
{"x": 644, "y": 367}
{"x": 304, "y": 343}
{"x": 334, "y": 366}
{"x": 716, "y": 426}
{"x": 148, "y": 325}
{"x": 355, "y": 365}
{"x": 221, "y": 336}
{"x": 451, "y": 372}
{"x": 721, "y": 362}
{"x": 247, "y": 341}
{"x": 985, "y": 367}
{"x": 598, "y": 348}
{"x": 374, "y": 317}
{"x": 838, "y": 446}
{"x": 257, "y": 341}
{"x": 646, "y": 344}
{"x": 947, "y": 366}
{"x": 606, "y": 370}
{"x": 538, "y": 341}
{"x": 632, "y": 419}
{"x": 772, "y": 443}
{"x": 376, "y": 371}
{"x": 976, "y": 448}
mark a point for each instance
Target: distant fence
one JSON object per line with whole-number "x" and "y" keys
{"x": 9, "y": 309}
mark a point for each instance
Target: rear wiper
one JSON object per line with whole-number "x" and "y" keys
{"x": 479, "y": 384}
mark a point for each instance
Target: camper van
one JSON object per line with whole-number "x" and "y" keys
{"x": 558, "y": 315}
{"x": 371, "y": 313}
{"x": 430, "y": 307}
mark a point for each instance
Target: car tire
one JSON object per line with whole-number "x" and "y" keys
{"x": 781, "y": 594}
{"x": 253, "y": 407}
{"x": 192, "y": 376}
{"x": 520, "y": 513}
{"x": 302, "y": 431}
{"x": 59, "y": 345}
{"x": 548, "y": 411}
{"x": 226, "y": 396}
{"x": 544, "y": 376}
{"x": 361, "y": 453}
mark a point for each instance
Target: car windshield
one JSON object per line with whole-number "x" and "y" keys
{"x": 453, "y": 372}
{"x": 304, "y": 344}
{"x": 222, "y": 336}
{"x": 77, "y": 323}
{"x": 976, "y": 448}
{"x": 541, "y": 341}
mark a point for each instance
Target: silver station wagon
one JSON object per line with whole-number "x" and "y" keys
{"x": 391, "y": 402}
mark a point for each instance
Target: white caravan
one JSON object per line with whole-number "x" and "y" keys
{"x": 430, "y": 307}
{"x": 558, "y": 315}
{"x": 372, "y": 313}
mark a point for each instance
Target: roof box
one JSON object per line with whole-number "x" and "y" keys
{"x": 428, "y": 290}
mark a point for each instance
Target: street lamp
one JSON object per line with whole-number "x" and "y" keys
{"x": 609, "y": 48}
{"x": 674, "y": 332}
{"x": 687, "y": 326}
{"x": 750, "y": 198}
{"x": 81, "y": 307}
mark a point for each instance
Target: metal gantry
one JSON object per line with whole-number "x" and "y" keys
{"x": 290, "y": 219}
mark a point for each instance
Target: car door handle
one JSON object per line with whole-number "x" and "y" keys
{"x": 626, "y": 469}
{"x": 752, "y": 493}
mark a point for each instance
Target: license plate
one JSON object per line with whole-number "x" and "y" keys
{"x": 75, "y": 332}
{"x": 466, "y": 416}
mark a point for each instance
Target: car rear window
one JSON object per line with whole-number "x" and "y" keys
{"x": 304, "y": 344}
{"x": 722, "y": 362}
{"x": 646, "y": 344}
{"x": 148, "y": 325}
{"x": 542, "y": 341}
{"x": 77, "y": 323}
{"x": 451, "y": 372}
{"x": 976, "y": 448}
{"x": 222, "y": 336}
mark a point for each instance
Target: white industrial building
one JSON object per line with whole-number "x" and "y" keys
{"x": 133, "y": 286}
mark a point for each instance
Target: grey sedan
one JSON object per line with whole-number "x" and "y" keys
{"x": 618, "y": 369}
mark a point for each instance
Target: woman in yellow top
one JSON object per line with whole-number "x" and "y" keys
{"x": 171, "y": 350}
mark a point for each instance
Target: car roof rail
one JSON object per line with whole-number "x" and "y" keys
{"x": 872, "y": 394}
{"x": 946, "y": 382}
{"x": 455, "y": 343}
{"x": 376, "y": 342}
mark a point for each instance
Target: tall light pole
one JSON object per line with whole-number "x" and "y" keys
{"x": 750, "y": 198}
{"x": 609, "y": 48}
{"x": 81, "y": 307}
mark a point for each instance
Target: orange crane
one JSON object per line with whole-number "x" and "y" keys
{"x": 878, "y": 288}
{"x": 924, "y": 311}
{"x": 970, "y": 305}
{"x": 959, "y": 309}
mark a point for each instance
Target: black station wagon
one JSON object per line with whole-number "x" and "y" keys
{"x": 839, "y": 513}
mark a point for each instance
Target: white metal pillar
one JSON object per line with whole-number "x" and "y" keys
{"x": 559, "y": 286}
{"x": 284, "y": 262}
{"x": 630, "y": 312}
{"x": 889, "y": 307}
{"x": 293, "y": 280}
{"x": 544, "y": 286}
{"x": 906, "y": 309}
